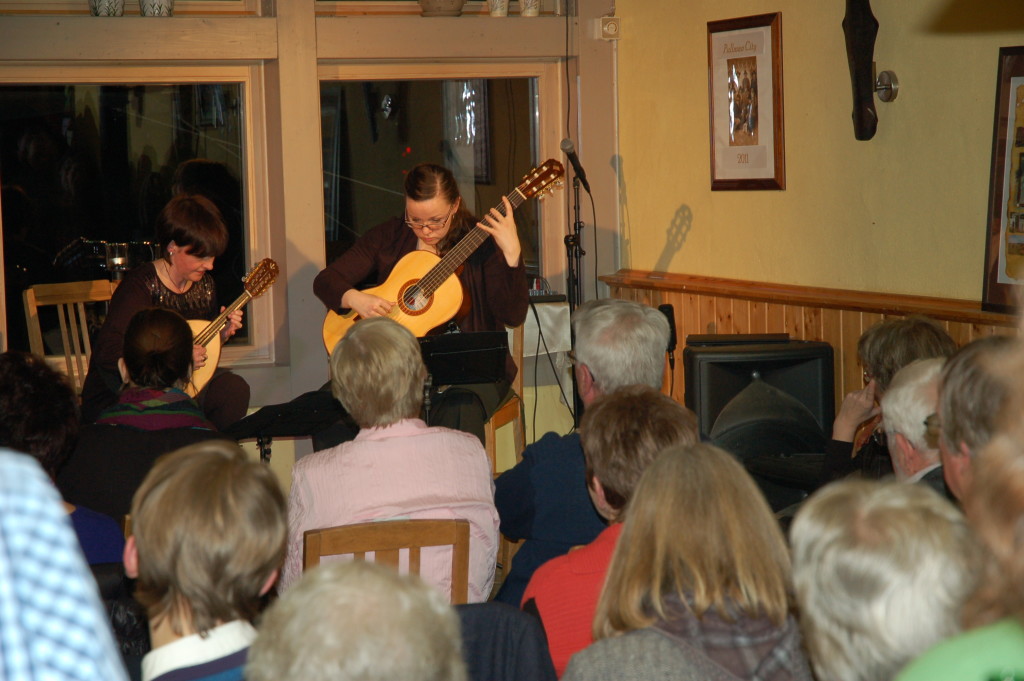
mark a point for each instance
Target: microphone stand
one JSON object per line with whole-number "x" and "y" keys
{"x": 574, "y": 252}
{"x": 574, "y": 283}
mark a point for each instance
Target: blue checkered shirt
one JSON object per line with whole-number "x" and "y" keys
{"x": 52, "y": 624}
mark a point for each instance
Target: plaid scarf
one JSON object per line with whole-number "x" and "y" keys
{"x": 748, "y": 648}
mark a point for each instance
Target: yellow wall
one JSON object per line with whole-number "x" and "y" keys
{"x": 904, "y": 212}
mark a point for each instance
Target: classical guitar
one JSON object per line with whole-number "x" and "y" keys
{"x": 207, "y": 333}
{"x": 425, "y": 287}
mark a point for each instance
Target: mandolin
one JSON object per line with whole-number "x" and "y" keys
{"x": 207, "y": 333}
{"x": 425, "y": 287}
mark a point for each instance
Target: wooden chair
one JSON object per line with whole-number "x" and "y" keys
{"x": 69, "y": 299}
{"x": 511, "y": 411}
{"x": 387, "y": 539}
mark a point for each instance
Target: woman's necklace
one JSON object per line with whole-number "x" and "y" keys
{"x": 173, "y": 285}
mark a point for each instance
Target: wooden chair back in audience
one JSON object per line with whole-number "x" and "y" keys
{"x": 388, "y": 539}
{"x": 69, "y": 298}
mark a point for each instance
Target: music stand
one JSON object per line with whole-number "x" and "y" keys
{"x": 461, "y": 358}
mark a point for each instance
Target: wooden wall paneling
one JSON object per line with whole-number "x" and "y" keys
{"x": 848, "y": 371}
{"x": 812, "y": 323}
{"x": 689, "y": 315}
{"x": 794, "y": 321}
{"x": 723, "y": 316}
{"x": 740, "y": 316}
{"x": 983, "y": 330}
{"x": 708, "y": 316}
{"x": 775, "y": 316}
{"x": 758, "y": 317}
{"x": 960, "y": 332}
{"x": 832, "y": 333}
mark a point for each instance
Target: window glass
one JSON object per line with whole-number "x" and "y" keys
{"x": 484, "y": 129}
{"x": 85, "y": 169}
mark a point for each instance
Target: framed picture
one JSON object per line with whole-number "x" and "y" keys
{"x": 745, "y": 103}
{"x": 1004, "y": 238}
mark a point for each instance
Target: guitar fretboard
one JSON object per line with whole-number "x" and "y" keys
{"x": 451, "y": 261}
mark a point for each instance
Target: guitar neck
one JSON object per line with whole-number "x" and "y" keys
{"x": 213, "y": 328}
{"x": 454, "y": 258}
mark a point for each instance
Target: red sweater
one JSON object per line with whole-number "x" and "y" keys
{"x": 565, "y": 591}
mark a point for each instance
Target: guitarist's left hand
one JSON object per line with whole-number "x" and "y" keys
{"x": 503, "y": 229}
{"x": 233, "y": 324}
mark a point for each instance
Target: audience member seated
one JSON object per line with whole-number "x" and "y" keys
{"x": 358, "y": 621}
{"x": 858, "y": 441}
{"x": 972, "y": 397}
{"x": 621, "y": 434}
{"x": 155, "y": 367}
{"x": 152, "y": 416}
{"x": 208, "y": 539}
{"x": 881, "y": 570}
{"x": 912, "y": 425}
{"x": 397, "y": 466}
{"x": 52, "y": 625}
{"x": 697, "y": 586}
{"x": 39, "y": 416}
{"x": 993, "y": 645}
{"x": 543, "y": 499}
{"x": 502, "y": 643}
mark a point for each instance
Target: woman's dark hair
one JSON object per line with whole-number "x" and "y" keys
{"x": 194, "y": 223}
{"x": 38, "y": 410}
{"x": 427, "y": 181}
{"x": 158, "y": 348}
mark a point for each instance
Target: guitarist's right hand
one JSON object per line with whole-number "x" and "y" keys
{"x": 198, "y": 357}
{"x": 365, "y": 304}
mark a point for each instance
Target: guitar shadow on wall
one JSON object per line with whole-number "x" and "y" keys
{"x": 675, "y": 237}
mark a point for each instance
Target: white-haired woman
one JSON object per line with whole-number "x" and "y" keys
{"x": 397, "y": 466}
{"x": 881, "y": 570}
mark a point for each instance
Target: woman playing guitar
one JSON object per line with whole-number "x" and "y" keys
{"x": 493, "y": 278}
{"x": 191, "y": 234}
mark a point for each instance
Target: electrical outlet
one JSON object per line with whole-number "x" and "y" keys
{"x": 611, "y": 28}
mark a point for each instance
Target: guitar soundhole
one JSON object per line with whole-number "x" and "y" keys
{"x": 414, "y": 301}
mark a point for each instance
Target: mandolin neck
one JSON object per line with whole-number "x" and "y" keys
{"x": 454, "y": 258}
{"x": 213, "y": 328}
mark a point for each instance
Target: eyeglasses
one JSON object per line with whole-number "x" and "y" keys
{"x": 432, "y": 225}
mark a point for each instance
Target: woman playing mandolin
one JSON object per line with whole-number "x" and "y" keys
{"x": 191, "y": 234}
{"x": 493, "y": 277}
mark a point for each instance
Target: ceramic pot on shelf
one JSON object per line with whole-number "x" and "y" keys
{"x": 441, "y": 8}
{"x": 529, "y": 8}
{"x": 106, "y": 8}
{"x": 498, "y": 8}
{"x": 157, "y": 8}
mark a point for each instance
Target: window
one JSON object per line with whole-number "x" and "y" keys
{"x": 484, "y": 129}
{"x": 85, "y": 168}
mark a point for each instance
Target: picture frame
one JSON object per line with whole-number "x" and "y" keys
{"x": 1004, "y": 233}
{"x": 745, "y": 103}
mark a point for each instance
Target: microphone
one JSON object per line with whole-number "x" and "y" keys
{"x": 670, "y": 313}
{"x": 570, "y": 151}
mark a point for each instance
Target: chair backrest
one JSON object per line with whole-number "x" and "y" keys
{"x": 516, "y": 350}
{"x": 69, "y": 299}
{"x": 387, "y": 539}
